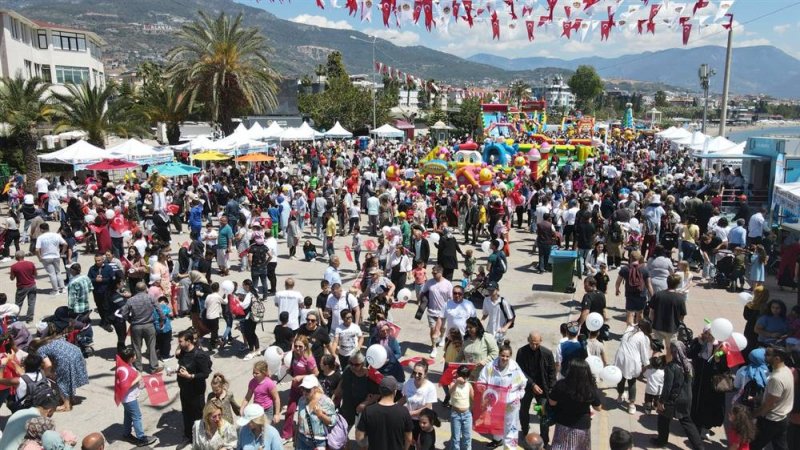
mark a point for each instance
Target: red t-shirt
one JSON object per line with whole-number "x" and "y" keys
{"x": 24, "y": 273}
{"x": 734, "y": 439}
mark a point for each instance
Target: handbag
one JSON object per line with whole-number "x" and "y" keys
{"x": 336, "y": 434}
{"x": 722, "y": 382}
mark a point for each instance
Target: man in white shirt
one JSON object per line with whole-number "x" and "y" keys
{"x": 569, "y": 223}
{"x": 272, "y": 263}
{"x": 755, "y": 228}
{"x": 373, "y": 208}
{"x": 290, "y": 301}
{"x": 458, "y": 310}
{"x": 497, "y": 313}
{"x": 49, "y": 246}
{"x": 338, "y": 301}
{"x": 42, "y": 187}
{"x": 436, "y": 293}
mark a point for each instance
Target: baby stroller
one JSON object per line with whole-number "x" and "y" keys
{"x": 476, "y": 291}
{"x": 77, "y": 328}
{"x": 725, "y": 268}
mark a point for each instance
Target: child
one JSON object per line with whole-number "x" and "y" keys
{"x": 595, "y": 347}
{"x": 453, "y": 353}
{"x": 130, "y": 404}
{"x": 654, "y": 376}
{"x": 469, "y": 265}
{"x": 427, "y": 435}
{"x": 739, "y": 264}
{"x": 309, "y": 251}
{"x": 758, "y": 261}
{"x": 283, "y": 334}
{"x": 741, "y": 429}
{"x": 307, "y": 303}
{"x": 420, "y": 276}
{"x": 322, "y": 300}
{"x": 480, "y": 278}
{"x": 275, "y": 218}
{"x": 686, "y": 277}
{"x": 163, "y": 330}
{"x": 461, "y": 394}
{"x": 602, "y": 278}
{"x": 356, "y": 247}
{"x": 263, "y": 391}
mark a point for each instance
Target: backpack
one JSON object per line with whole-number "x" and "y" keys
{"x": 685, "y": 334}
{"x": 513, "y": 314}
{"x": 257, "y": 309}
{"x": 751, "y": 395}
{"x": 32, "y": 388}
{"x": 616, "y": 232}
{"x": 635, "y": 280}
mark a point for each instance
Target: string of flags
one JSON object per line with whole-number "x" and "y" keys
{"x": 579, "y": 19}
{"x": 403, "y": 77}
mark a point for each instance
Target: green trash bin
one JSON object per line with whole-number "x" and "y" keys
{"x": 563, "y": 262}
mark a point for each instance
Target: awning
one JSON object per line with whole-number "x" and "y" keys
{"x": 255, "y": 157}
{"x": 112, "y": 164}
{"x": 211, "y": 156}
{"x": 174, "y": 169}
{"x": 730, "y": 156}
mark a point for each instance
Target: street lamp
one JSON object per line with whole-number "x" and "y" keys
{"x": 705, "y": 75}
{"x": 374, "y": 83}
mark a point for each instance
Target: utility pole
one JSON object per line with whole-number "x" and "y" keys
{"x": 705, "y": 75}
{"x": 728, "y": 57}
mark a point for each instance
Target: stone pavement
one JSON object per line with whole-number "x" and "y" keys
{"x": 537, "y": 309}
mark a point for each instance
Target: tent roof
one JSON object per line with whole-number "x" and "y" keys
{"x": 441, "y": 126}
{"x": 692, "y": 139}
{"x": 237, "y": 140}
{"x": 715, "y": 145}
{"x": 240, "y": 129}
{"x": 307, "y": 128}
{"x": 77, "y": 153}
{"x": 273, "y": 131}
{"x": 301, "y": 133}
{"x": 112, "y": 164}
{"x": 196, "y": 144}
{"x": 387, "y": 130}
{"x": 338, "y": 131}
{"x": 134, "y": 149}
{"x": 256, "y": 131}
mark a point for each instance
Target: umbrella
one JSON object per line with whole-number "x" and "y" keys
{"x": 111, "y": 164}
{"x": 174, "y": 169}
{"x": 210, "y": 155}
{"x": 255, "y": 157}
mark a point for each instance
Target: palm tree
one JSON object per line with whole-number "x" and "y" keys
{"x": 98, "y": 111}
{"x": 166, "y": 104}
{"x": 24, "y": 108}
{"x": 519, "y": 91}
{"x": 224, "y": 65}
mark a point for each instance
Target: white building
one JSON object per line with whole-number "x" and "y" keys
{"x": 556, "y": 93}
{"x": 55, "y": 53}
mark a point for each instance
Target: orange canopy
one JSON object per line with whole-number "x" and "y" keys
{"x": 255, "y": 157}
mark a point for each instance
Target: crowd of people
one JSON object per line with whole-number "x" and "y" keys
{"x": 644, "y": 217}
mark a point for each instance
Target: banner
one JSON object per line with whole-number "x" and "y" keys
{"x": 156, "y": 389}
{"x": 489, "y": 408}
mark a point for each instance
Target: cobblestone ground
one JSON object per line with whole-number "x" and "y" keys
{"x": 537, "y": 309}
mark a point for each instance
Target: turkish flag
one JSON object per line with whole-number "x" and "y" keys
{"x": 640, "y": 25}
{"x": 374, "y": 375}
{"x": 568, "y": 11}
{"x": 495, "y": 26}
{"x": 468, "y": 11}
{"x": 352, "y": 7}
{"x": 123, "y": 380}
{"x": 687, "y": 31}
{"x": 566, "y": 28}
{"x": 605, "y": 29}
{"x": 699, "y": 5}
{"x": 733, "y": 353}
{"x": 449, "y": 373}
{"x": 156, "y": 389}
{"x": 589, "y": 3}
{"x": 387, "y": 8}
{"x": 654, "y": 9}
{"x": 370, "y": 245}
{"x": 417, "y": 10}
{"x": 489, "y": 408}
{"x": 321, "y": 3}
{"x": 408, "y": 362}
{"x": 348, "y": 252}
{"x": 456, "y": 6}
{"x": 551, "y": 4}
{"x": 728, "y": 25}
{"x": 529, "y": 24}
{"x": 651, "y": 27}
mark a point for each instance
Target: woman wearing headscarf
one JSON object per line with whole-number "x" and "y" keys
{"x": 446, "y": 257}
{"x": 382, "y": 334}
{"x": 633, "y": 354}
{"x": 40, "y": 434}
{"x": 198, "y": 290}
{"x": 752, "y": 311}
{"x": 676, "y": 398}
{"x": 756, "y": 370}
{"x": 708, "y": 409}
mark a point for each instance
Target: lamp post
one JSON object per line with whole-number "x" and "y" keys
{"x": 374, "y": 83}
{"x": 725, "y": 84}
{"x": 705, "y": 75}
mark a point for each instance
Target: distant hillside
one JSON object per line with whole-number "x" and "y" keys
{"x": 296, "y": 48}
{"x": 756, "y": 70}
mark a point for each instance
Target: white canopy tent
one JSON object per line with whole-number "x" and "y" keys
{"x": 338, "y": 132}
{"x": 237, "y": 143}
{"x": 787, "y": 196}
{"x": 675, "y": 133}
{"x": 272, "y": 132}
{"x": 715, "y": 145}
{"x": 256, "y": 132}
{"x": 197, "y": 144}
{"x": 240, "y": 129}
{"x": 301, "y": 133}
{"x": 387, "y": 131}
{"x": 695, "y": 138}
{"x": 80, "y": 152}
{"x": 138, "y": 151}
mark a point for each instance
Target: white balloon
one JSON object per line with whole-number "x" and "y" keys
{"x": 89, "y": 218}
{"x": 611, "y": 375}
{"x": 434, "y": 237}
{"x": 227, "y": 287}
{"x": 285, "y": 365}
{"x": 721, "y": 328}
{"x": 500, "y": 244}
{"x": 595, "y": 364}
{"x": 127, "y": 234}
{"x": 486, "y": 246}
{"x": 273, "y": 356}
{"x": 740, "y": 340}
{"x": 404, "y": 295}
{"x": 110, "y": 214}
{"x": 376, "y": 356}
{"x": 594, "y": 321}
{"x": 745, "y": 297}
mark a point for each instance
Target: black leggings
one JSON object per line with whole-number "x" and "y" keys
{"x": 249, "y": 334}
{"x": 273, "y": 280}
{"x": 11, "y": 236}
{"x": 631, "y": 389}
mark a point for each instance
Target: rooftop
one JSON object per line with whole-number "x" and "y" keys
{"x": 52, "y": 26}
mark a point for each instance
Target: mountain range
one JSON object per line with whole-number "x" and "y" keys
{"x": 296, "y": 49}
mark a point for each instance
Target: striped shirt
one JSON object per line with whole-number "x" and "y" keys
{"x": 78, "y": 294}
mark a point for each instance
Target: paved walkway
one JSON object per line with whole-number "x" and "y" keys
{"x": 537, "y": 309}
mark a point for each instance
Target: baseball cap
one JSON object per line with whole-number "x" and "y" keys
{"x": 252, "y": 413}
{"x": 492, "y": 285}
{"x": 309, "y": 382}
{"x": 388, "y": 385}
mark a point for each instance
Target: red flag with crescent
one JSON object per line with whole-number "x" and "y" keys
{"x": 654, "y": 9}
{"x": 568, "y": 11}
{"x": 352, "y": 7}
{"x": 605, "y": 29}
{"x": 576, "y": 24}
{"x": 417, "y": 10}
{"x": 124, "y": 376}
{"x": 387, "y": 8}
{"x": 687, "y": 31}
{"x": 551, "y": 4}
{"x": 156, "y": 389}
{"x": 530, "y": 25}
{"x": 544, "y": 19}
{"x": 589, "y": 3}
{"x": 427, "y": 7}
{"x": 700, "y": 4}
{"x": 733, "y": 354}
{"x": 468, "y": 11}
{"x": 495, "y": 26}
{"x": 566, "y": 28}
{"x": 651, "y": 27}
{"x": 348, "y": 252}
{"x": 455, "y": 8}
{"x": 489, "y": 408}
{"x": 449, "y": 373}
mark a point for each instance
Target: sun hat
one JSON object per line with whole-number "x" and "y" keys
{"x": 252, "y": 413}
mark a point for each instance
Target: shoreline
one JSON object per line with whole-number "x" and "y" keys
{"x": 714, "y": 131}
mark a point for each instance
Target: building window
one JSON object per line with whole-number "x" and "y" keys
{"x": 37, "y": 70}
{"x": 28, "y": 69}
{"x": 15, "y": 29}
{"x": 47, "y": 77}
{"x": 42, "y": 39}
{"x": 68, "y": 74}
{"x": 73, "y": 42}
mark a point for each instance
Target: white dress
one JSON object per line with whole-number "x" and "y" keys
{"x": 633, "y": 353}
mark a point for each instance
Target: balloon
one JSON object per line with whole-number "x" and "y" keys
{"x": 594, "y": 321}
{"x": 89, "y": 218}
{"x": 78, "y": 234}
{"x": 486, "y": 247}
{"x": 721, "y": 328}
{"x": 745, "y": 297}
{"x": 740, "y": 340}
{"x": 501, "y": 243}
{"x": 227, "y": 287}
{"x": 127, "y": 234}
{"x": 595, "y": 364}
{"x": 273, "y": 356}
{"x": 371, "y": 245}
{"x": 283, "y": 368}
{"x": 404, "y": 295}
{"x": 434, "y": 237}
{"x": 386, "y": 230}
{"x": 110, "y": 214}
{"x": 376, "y": 356}
{"x": 611, "y": 375}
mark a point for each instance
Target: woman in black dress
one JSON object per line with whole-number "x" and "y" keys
{"x": 446, "y": 257}
{"x": 708, "y": 408}
{"x": 676, "y": 399}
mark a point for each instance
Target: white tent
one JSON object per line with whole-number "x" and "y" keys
{"x": 256, "y": 131}
{"x": 135, "y": 150}
{"x": 273, "y": 131}
{"x": 237, "y": 142}
{"x": 307, "y": 129}
{"x": 387, "y": 131}
{"x": 80, "y": 152}
{"x": 787, "y": 196}
{"x": 667, "y": 132}
{"x": 714, "y": 145}
{"x": 240, "y": 129}
{"x": 695, "y": 138}
{"x": 301, "y": 133}
{"x": 338, "y": 132}
{"x": 676, "y": 133}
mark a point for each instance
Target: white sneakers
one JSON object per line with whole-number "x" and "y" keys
{"x": 631, "y": 408}
{"x": 433, "y": 353}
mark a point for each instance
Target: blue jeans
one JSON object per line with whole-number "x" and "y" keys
{"x": 461, "y": 430}
{"x": 259, "y": 275}
{"x": 133, "y": 417}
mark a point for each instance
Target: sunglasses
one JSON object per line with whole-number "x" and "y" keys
{"x": 311, "y": 320}
{"x": 458, "y": 294}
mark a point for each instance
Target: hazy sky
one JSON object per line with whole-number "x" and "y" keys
{"x": 780, "y": 28}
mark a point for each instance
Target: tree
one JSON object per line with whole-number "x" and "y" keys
{"x": 586, "y": 85}
{"x": 466, "y": 120}
{"x": 164, "y": 103}
{"x": 335, "y": 66}
{"x": 661, "y": 99}
{"x": 434, "y": 115}
{"x": 223, "y": 64}
{"x": 99, "y": 111}
{"x": 519, "y": 91}
{"x": 24, "y": 109}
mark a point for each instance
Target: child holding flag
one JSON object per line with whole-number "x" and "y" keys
{"x": 127, "y": 387}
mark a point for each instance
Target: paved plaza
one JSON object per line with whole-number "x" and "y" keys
{"x": 537, "y": 309}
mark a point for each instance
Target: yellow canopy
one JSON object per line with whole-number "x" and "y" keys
{"x": 210, "y": 155}
{"x": 255, "y": 157}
